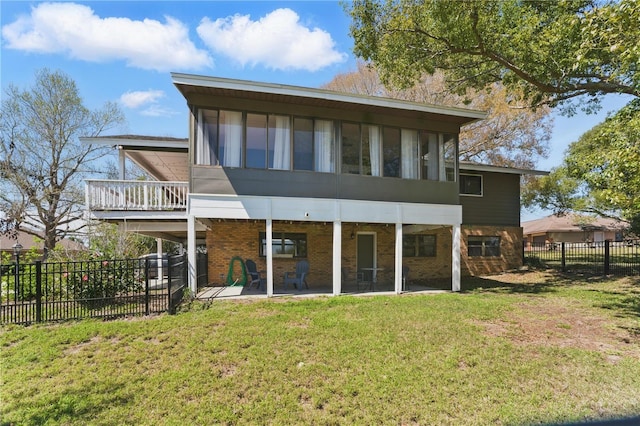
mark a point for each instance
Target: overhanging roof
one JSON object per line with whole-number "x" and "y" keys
{"x": 500, "y": 169}
{"x": 164, "y": 158}
{"x": 190, "y": 85}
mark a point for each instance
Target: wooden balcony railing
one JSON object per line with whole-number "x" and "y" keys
{"x": 135, "y": 195}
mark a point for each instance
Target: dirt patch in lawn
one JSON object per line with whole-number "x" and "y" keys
{"x": 560, "y": 323}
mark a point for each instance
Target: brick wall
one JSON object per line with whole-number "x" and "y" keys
{"x": 510, "y": 250}
{"x": 230, "y": 238}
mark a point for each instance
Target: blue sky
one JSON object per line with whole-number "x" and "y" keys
{"x": 123, "y": 51}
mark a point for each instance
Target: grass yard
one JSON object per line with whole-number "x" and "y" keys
{"x": 535, "y": 347}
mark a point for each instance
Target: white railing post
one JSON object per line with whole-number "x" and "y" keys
{"x": 145, "y": 204}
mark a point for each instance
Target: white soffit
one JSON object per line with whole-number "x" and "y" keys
{"x": 321, "y": 210}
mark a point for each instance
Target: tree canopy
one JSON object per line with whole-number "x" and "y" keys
{"x": 42, "y": 162}
{"x": 600, "y": 173}
{"x": 550, "y": 51}
{"x": 511, "y": 135}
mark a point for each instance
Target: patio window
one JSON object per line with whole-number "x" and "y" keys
{"x": 207, "y": 138}
{"x": 429, "y": 155}
{"x": 285, "y": 244}
{"x": 470, "y": 184}
{"x": 279, "y": 145}
{"x": 371, "y": 150}
{"x": 391, "y": 151}
{"x": 350, "y": 136}
{"x": 449, "y": 158}
{"x": 409, "y": 151}
{"x": 418, "y": 245}
{"x": 302, "y": 144}
{"x": 230, "y": 138}
{"x": 256, "y": 151}
{"x": 270, "y": 141}
{"x": 481, "y": 246}
{"x": 323, "y": 145}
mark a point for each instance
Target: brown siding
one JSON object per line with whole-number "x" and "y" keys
{"x": 279, "y": 183}
{"x": 499, "y": 204}
{"x": 510, "y": 250}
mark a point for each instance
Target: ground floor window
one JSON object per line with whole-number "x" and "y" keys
{"x": 483, "y": 246}
{"x": 285, "y": 244}
{"x": 418, "y": 245}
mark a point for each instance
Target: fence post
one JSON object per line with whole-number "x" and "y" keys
{"x": 564, "y": 258}
{"x": 607, "y": 259}
{"x": 147, "y": 294}
{"x": 169, "y": 278}
{"x": 38, "y": 291}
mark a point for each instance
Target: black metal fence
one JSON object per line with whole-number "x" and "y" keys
{"x": 600, "y": 258}
{"x": 54, "y": 291}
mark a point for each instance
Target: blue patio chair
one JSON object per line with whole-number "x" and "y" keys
{"x": 253, "y": 275}
{"x": 299, "y": 277}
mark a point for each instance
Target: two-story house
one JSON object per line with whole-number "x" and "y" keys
{"x": 278, "y": 173}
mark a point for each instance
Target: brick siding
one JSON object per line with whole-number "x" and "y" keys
{"x": 226, "y": 239}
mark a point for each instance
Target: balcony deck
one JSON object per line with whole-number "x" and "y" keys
{"x": 135, "y": 195}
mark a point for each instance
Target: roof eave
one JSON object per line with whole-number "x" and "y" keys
{"x": 500, "y": 169}
{"x": 180, "y": 80}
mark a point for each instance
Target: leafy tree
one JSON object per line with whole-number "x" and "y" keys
{"x": 600, "y": 173}
{"x": 550, "y": 51}
{"x": 511, "y": 135}
{"x": 42, "y": 162}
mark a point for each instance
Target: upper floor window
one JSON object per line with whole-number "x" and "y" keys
{"x": 253, "y": 140}
{"x": 470, "y": 184}
{"x": 237, "y": 139}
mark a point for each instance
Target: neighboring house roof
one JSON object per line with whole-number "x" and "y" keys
{"x": 28, "y": 241}
{"x": 570, "y": 223}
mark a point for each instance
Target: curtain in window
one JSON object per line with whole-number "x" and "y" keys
{"x": 231, "y": 138}
{"x": 323, "y": 145}
{"x": 282, "y": 143}
{"x": 375, "y": 149}
{"x": 204, "y": 143}
{"x": 409, "y": 153}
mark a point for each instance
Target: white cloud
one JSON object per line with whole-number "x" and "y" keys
{"x": 75, "y": 30}
{"x": 156, "y": 110}
{"x": 139, "y": 98}
{"x": 277, "y": 41}
{"x": 149, "y": 99}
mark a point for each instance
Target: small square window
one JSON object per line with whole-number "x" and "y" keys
{"x": 285, "y": 244}
{"x": 418, "y": 245}
{"x": 470, "y": 185}
{"x": 480, "y": 246}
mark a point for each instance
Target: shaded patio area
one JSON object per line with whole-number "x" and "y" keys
{"x": 240, "y": 292}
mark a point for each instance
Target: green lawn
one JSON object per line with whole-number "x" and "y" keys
{"x": 511, "y": 349}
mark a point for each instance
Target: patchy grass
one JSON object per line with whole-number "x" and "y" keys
{"x": 511, "y": 349}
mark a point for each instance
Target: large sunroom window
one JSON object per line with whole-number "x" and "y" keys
{"x": 282, "y": 142}
{"x": 279, "y": 145}
{"x": 391, "y": 152}
{"x": 256, "y": 141}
